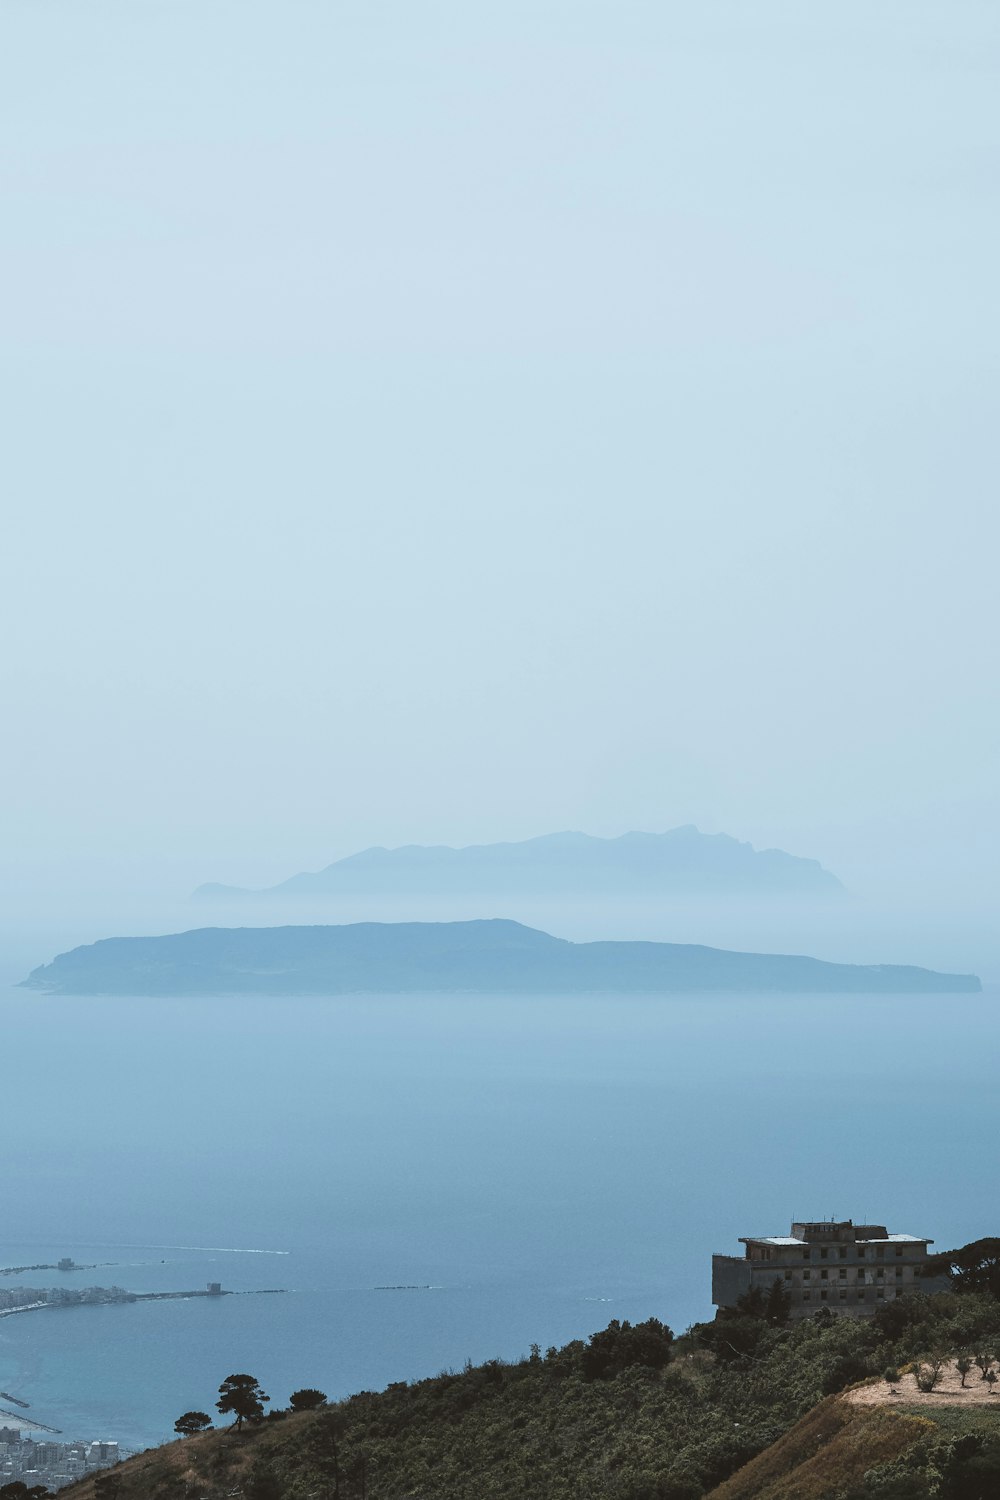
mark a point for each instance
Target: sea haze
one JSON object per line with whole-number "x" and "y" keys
{"x": 538, "y": 1164}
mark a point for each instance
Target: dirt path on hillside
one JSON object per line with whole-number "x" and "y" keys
{"x": 948, "y": 1393}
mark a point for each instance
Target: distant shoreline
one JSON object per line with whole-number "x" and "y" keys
{"x": 8, "y": 1312}
{"x": 24, "y": 1424}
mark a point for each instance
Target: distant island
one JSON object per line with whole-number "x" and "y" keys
{"x": 678, "y": 862}
{"x": 486, "y": 957}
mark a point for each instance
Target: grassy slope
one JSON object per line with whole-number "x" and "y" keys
{"x": 826, "y": 1452}
{"x": 831, "y": 1448}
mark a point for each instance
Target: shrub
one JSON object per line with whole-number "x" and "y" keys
{"x": 928, "y": 1371}
{"x": 307, "y": 1399}
{"x": 619, "y": 1346}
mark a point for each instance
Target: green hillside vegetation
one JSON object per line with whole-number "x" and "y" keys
{"x": 737, "y": 1409}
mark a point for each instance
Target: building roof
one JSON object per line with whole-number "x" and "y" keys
{"x": 790, "y": 1239}
{"x": 899, "y": 1239}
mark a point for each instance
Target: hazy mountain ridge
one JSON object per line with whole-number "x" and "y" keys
{"x": 492, "y": 956}
{"x": 682, "y": 859}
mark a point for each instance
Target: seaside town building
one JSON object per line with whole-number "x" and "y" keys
{"x": 42, "y": 1462}
{"x": 847, "y": 1268}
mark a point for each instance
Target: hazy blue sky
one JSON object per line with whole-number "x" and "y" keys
{"x": 448, "y": 421}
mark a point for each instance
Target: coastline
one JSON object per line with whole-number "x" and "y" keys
{"x": 24, "y": 1424}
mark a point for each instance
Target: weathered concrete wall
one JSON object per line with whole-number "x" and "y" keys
{"x": 858, "y": 1290}
{"x": 730, "y": 1279}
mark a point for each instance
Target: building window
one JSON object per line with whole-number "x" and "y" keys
{"x": 880, "y": 1274}
{"x": 843, "y": 1275}
{"x": 806, "y": 1254}
{"x": 861, "y": 1295}
{"x": 861, "y": 1275}
{"x": 788, "y": 1275}
{"x": 880, "y": 1253}
{"x": 806, "y": 1275}
{"x": 823, "y": 1254}
{"x": 899, "y": 1291}
{"x": 880, "y": 1293}
{"x": 899, "y": 1249}
{"x": 843, "y": 1252}
{"x": 843, "y": 1296}
{"x": 805, "y": 1296}
{"x": 823, "y": 1295}
{"x": 825, "y": 1274}
{"x": 899, "y": 1273}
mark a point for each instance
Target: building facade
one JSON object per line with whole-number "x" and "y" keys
{"x": 845, "y": 1267}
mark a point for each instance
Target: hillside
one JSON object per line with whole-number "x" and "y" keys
{"x": 484, "y": 957}
{"x": 827, "y": 1452}
{"x": 734, "y": 1410}
{"x": 683, "y": 860}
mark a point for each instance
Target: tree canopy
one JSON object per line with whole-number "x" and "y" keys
{"x": 307, "y": 1399}
{"x": 620, "y": 1346}
{"x": 972, "y": 1268}
{"x": 242, "y": 1395}
{"x": 192, "y": 1422}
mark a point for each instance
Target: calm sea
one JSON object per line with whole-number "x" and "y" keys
{"x": 527, "y": 1169}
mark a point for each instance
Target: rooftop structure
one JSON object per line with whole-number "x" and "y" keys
{"x": 847, "y": 1268}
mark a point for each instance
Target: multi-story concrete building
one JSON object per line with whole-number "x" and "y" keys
{"x": 845, "y": 1267}
{"x": 53, "y": 1464}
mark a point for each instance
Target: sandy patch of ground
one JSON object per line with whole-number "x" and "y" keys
{"x": 948, "y": 1392}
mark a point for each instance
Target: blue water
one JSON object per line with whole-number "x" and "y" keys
{"x": 539, "y": 1165}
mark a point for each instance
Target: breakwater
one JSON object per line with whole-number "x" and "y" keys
{"x": 24, "y": 1424}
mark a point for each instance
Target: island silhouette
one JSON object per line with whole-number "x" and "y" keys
{"x": 493, "y": 956}
{"x": 682, "y": 860}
